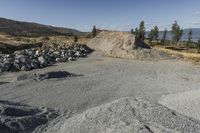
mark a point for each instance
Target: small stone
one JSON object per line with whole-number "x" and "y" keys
{"x": 42, "y": 61}
{"x": 34, "y": 64}
{"x": 6, "y": 66}
{"x": 26, "y": 67}
{"x": 71, "y": 59}
{"x": 17, "y": 65}
{"x": 61, "y": 59}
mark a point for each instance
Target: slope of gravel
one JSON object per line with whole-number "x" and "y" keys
{"x": 130, "y": 115}
{"x": 187, "y": 103}
{"x": 17, "y": 118}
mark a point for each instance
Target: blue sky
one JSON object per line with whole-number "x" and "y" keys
{"x": 107, "y": 14}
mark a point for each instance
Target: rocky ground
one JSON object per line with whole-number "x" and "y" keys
{"x": 150, "y": 92}
{"x": 101, "y": 80}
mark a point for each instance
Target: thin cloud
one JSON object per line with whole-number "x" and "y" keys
{"x": 197, "y": 14}
{"x": 195, "y": 23}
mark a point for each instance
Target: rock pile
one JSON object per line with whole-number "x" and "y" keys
{"x": 29, "y": 59}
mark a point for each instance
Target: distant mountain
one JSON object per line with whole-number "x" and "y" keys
{"x": 195, "y": 34}
{"x": 18, "y": 28}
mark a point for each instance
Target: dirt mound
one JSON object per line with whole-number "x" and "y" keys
{"x": 107, "y": 41}
{"x": 16, "y": 118}
{"x": 115, "y": 44}
{"x": 130, "y": 115}
{"x": 124, "y": 45}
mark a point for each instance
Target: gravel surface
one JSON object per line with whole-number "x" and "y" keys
{"x": 103, "y": 80}
{"x": 17, "y": 118}
{"x": 187, "y": 103}
{"x": 128, "y": 115}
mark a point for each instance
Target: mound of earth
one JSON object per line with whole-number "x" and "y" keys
{"x": 44, "y": 76}
{"x": 130, "y": 115}
{"x": 15, "y": 118}
{"x": 123, "y": 45}
{"x": 114, "y": 43}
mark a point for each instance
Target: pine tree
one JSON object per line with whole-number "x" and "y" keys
{"x": 151, "y": 36}
{"x": 156, "y": 32}
{"x": 177, "y": 32}
{"x": 94, "y": 31}
{"x": 132, "y": 31}
{"x": 163, "y": 40}
{"x": 189, "y": 38}
{"x": 141, "y": 34}
{"x": 136, "y": 34}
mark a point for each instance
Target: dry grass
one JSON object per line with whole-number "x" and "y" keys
{"x": 183, "y": 54}
{"x": 12, "y": 40}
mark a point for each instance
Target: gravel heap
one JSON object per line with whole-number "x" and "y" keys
{"x": 130, "y": 115}
{"x": 15, "y": 118}
{"x": 28, "y": 59}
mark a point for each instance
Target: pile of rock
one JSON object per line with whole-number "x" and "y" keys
{"x": 29, "y": 59}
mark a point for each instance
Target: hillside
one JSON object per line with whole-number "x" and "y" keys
{"x": 18, "y": 28}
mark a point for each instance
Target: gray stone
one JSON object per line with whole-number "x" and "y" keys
{"x": 61, "y": 59}
{"x": 78, "y": 54}
{"x": 26, "y": 67}
{"x": 17, "y": 65}
{"x": 35, "y": 64}
{"x": 42, "y": 61}
{"x": 5, "y": 66}
{"x": 71, "y": 59}
{"x": 37, "y": 52}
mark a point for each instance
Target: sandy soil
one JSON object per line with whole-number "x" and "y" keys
{"x": 103, "y": 80}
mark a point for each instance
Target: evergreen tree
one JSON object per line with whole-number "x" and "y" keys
{"x": 141, "y": 31}
{"x": 132, "y": 31}
{"x": 177, "y": 32}
{"x": 151, "y": 36}
{"x": 94, "y": 31}
{"x": 189, "y": 38}
{"x": 163, "y": 40}
{"x": 156, "y": 32}
{"x": 136, "y": 34}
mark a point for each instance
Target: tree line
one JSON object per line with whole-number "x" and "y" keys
{"x": 153, "y": 35}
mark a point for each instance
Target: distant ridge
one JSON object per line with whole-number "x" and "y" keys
{"x": 19, "y": 28}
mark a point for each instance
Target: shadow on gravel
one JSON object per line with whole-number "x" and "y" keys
{"x": 3, "y": 83}
{"x": 47, "y": 75}
{"x": 17, "y": 118}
